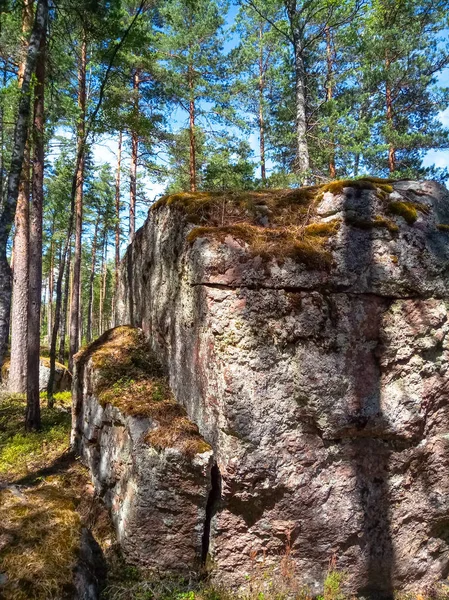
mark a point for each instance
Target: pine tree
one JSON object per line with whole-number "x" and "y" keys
{"x": 403, "y": 48}
{"x": 190, "y": 48}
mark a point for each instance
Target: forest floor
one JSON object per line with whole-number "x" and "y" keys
{"x": 47, "y": 501}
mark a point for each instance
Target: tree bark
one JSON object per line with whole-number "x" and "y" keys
{"x": 134, "y": 158}
{"x": 329, "y": 96}
{"x": 32, "y": 420}
{"x": 17, "y": 379}
{"x": 91, "y": 282}
{"x": 8, "y": 208}
{"x": 64, "y": 305}
{"x": 192, "y": 153}
{"x": 76, "y": 286}
{"x": 263, "y": 172}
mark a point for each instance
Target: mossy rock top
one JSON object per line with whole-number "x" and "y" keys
{"x": 286, "y": 223}
{"x": 129, "y": 376}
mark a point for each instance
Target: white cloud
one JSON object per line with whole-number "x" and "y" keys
{"x": 437, "y": 158}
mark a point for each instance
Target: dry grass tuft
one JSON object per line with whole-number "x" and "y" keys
{"x": 443, "y": 227}
{"x": 294, "y": 242}
{"x": 130, "y": 377}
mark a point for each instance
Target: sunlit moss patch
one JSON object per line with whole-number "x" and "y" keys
{"x": 130, "y": 377}
{"x": 21, "y": 452}
{"x": 408, "y": 210}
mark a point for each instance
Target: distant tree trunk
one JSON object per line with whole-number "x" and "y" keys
{"x": 58, "y": 302}
{"x": 117, "y": 220}
{"x": 91, "y": 282}
{"x": 263, "y": 173}
{"x": 51, "y": 280}
{"x": 102, "y": 291}
{"x": 104, "y": 283}
{"x": 76, "y": 286}
{"x": 134, "y": 158}
{"x": 32, "y": 420}
{"x": 192, "y": 136}
{"x": 356, "y": 164}
{"x": 17, "y": 379}
{"x": 329, "y": 95}
{"x": 8, "y": 207}
{"x": 64, "y": 305}
{"x": 389, "y": 115}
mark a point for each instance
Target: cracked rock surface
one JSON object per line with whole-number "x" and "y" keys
{"x": 323, "y": 392}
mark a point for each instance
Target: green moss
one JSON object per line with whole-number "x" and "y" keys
{"x": 377, "y": 221}
{"x": 443, "y": 227}
{"x": 323, "y": 229}
{"x": 22, "y": 452}
{"x": 130, "y": 377}
{"x": 407, "y": 210}
{"x": 337, "y": 186}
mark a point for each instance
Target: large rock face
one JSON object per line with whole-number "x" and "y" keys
{"x": 317, "y": 370}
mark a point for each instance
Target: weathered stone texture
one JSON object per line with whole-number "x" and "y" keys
{"x": 157, "y": 497}
{"x": 324, "y": 393}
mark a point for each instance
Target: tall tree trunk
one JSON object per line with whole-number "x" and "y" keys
{"x": 302, "y": 149}
{"x": 64, "y": 305}
{"x": 329, "y": 95}
{"x": 75, "y": 300}
{"x": 91, "y": 282}
{"x": 192, "y": 136}
{"x": 117, "y": 221}
{"x": 8, "y": 208}
{"x": 17, "y": 380}
{"x": 32, "y": 420}
{"x": 263, "y": 172}
{"x": 389, "y": 111}
{"x": 134, "y": 158}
